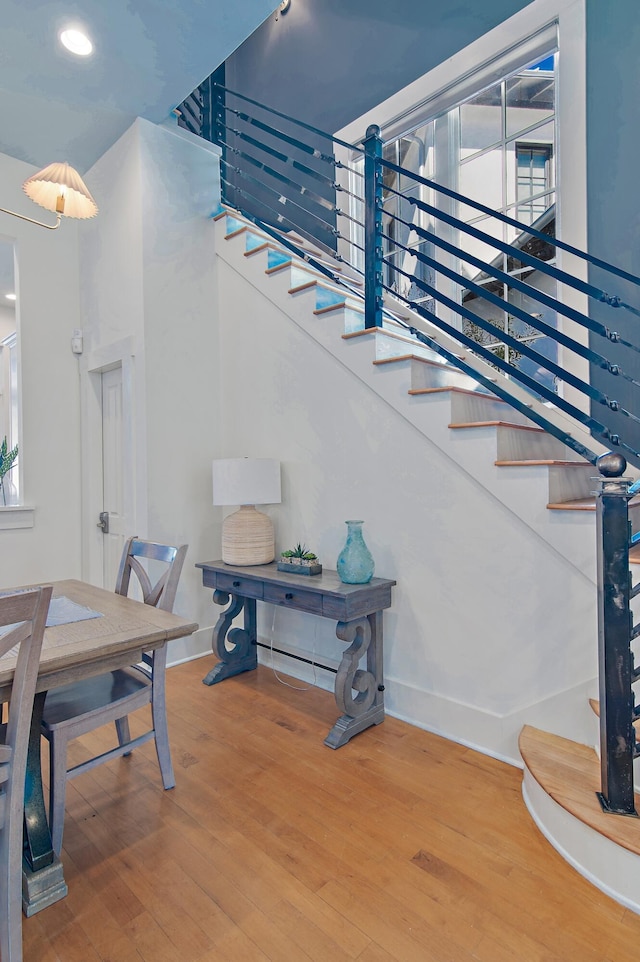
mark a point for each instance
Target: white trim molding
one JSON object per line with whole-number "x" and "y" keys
{"x": 16, "y": 516}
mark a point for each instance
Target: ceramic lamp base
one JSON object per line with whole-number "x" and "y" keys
{"x": 247, "y": 537}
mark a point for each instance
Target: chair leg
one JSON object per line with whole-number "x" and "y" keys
{"x": 122, "y": 729}
{"x": 160, "y": 727}
{"x": 57, "y": 788}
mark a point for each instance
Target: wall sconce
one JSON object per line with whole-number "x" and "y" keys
{"x": 247, "y": 534}
{"x": 58, "y": 188}
{"x": 283, "y": 8}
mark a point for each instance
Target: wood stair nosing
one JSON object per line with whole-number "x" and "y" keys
{"x": 400, "y": 334}
{"x": 236, "y": 232}
{"x": 319, "y": 282}
{"x": 266, "y": 246}
{"x": 491, "y": 424}
{"x": 368, "y": 331}
{"x": 532, "y": 462}
{"x": 413, "y": 357}
{"x": 454, "y": 389}
{"x": 586, "y": 504}
{"x": 319, "y": 311}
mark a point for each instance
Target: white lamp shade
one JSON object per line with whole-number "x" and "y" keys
{"x": 60, "y": 188}
{"x": 246, "y": 481}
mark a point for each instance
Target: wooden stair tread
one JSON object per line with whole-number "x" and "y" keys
{"x": 319, "y": 280}
{"x": 494, "y": 424}
{"x": 577, "y": 504}
{"x": 406, "y": 357}
{"x": 542, "y": 461}
{"x": 421, "y": 359}
{"x": 585, "y": 504}
{"x": 453, "y": 389}
{"x": 570, "y": 774}
{"x": 364, "y": 330}
{"x": 595, "y": 707}
{"x": 329, "y": 308}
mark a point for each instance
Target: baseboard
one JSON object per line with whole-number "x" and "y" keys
{"x": 565, "y": 713}
{"x": 187, "y": 649}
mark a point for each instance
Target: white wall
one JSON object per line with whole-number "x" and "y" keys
{"x": 47, "y": 311}
{"x": 148, "y": 294}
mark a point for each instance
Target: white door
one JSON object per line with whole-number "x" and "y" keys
{"x": 114, "y": 483}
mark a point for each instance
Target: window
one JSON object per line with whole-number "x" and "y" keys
{"x": 497, "y": 148}
{"x": 9, "y": 413}
{"x": 533, "y": 180}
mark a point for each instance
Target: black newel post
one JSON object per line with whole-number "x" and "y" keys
{"x": 617, "y": 737}
{"x": 373, "y": 227}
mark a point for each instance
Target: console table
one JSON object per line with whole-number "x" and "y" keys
{"x": 359, "y": 692}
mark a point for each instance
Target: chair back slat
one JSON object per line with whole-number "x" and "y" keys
{"x": 162, "y": 594}
{"x": 14, "y": 637}
{"x": 143, "y": 578}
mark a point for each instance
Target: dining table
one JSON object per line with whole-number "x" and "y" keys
{"x": 90, "y": 631}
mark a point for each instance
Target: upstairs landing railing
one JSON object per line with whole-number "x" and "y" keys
{"x": 404, "y": 235}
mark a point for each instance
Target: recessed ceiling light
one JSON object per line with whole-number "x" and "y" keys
{"x": 10, "y": 297}
{"x": 76, "y": 42}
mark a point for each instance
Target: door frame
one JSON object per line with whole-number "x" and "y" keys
{"x": 121, "y": 353}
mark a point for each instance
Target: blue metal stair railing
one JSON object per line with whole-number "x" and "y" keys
{"x": 287, "y": 180}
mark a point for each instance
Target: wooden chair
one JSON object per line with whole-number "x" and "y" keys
{"x": 80, "y": 707}
{"x": 26, "y": 611}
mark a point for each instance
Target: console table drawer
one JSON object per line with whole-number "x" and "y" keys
{"x": 237, "y": 585}
{"x": 294, "y": 597}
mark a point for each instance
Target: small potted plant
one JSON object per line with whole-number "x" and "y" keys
{"x": 7, "y": 460}
{"x": 300, "y": 561}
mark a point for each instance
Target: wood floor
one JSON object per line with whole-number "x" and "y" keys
{"x": 399, "y": 846}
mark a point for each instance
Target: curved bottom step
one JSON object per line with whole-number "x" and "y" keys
{"x": 561, "y": 779}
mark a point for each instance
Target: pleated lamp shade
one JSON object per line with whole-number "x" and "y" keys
{"x": 61, "y": 189}
{"x": 247, "y": 534}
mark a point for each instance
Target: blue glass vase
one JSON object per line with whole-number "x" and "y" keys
{"x": 355, "y": 562}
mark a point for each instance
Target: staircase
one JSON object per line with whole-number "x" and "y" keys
{"x": 534, "y": 475}
{"x": 521, "y": 464}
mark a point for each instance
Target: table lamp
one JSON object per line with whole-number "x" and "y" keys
{"x": 247, "y": 534}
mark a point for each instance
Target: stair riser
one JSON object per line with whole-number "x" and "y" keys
{"x": 515, "y": 445}
{"x": 425, "y": 376}
{"x": 477, "y": 407}
{"x": 570, "y": 483}
{"x": 389, "y": 346}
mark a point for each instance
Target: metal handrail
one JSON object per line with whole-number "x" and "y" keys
{"x": 276, "y": 194}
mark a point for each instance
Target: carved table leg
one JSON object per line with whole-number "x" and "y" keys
{"x": 235, "y": 647}
{"x": 42, "y": 878}
{"x": 367, "y": 707}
